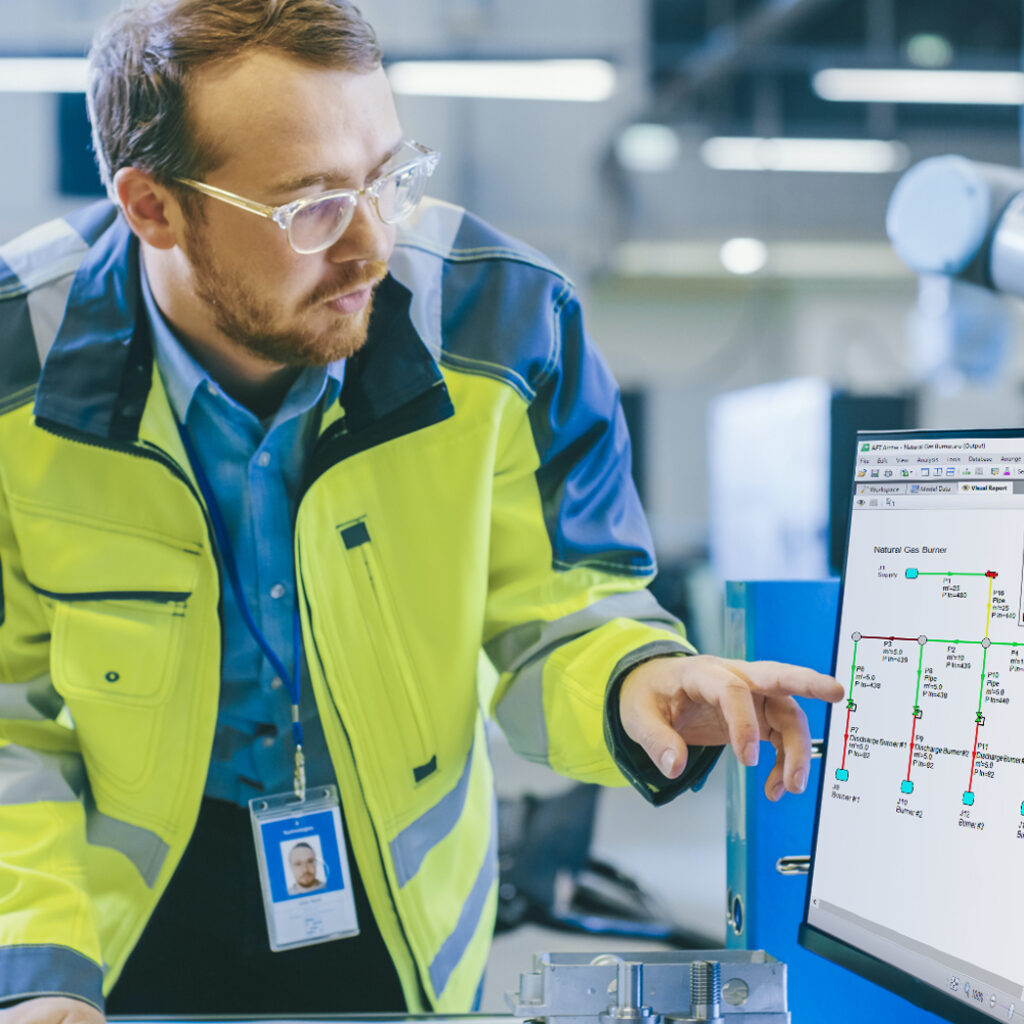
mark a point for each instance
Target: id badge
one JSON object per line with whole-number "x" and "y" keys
{"x": 304, "y": 872}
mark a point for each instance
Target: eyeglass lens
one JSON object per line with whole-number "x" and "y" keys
{"x": 318, "y": 225}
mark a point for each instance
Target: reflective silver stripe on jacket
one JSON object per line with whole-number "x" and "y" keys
{"x": 47, "y": 252}
{"x": 33, "y": 701}
{"x": 521, "y": 715}
{"x": 454, "y": 947}
{"x": 416, "y": 840}
{"x": 524, "y": 649}
{"x": 46, "y": 306}
{"x": 522, "y": 644}
{"x": 145, "y": 849}
{"x": 31, "y": 776}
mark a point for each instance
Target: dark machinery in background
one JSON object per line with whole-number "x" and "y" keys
{"x": 549, "y": 877}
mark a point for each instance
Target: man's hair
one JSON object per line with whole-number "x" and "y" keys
{"x": 144, "y": 58}
{"x": 298, "y": 846}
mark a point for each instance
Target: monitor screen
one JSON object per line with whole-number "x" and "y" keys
{"x": 917, "y": 876}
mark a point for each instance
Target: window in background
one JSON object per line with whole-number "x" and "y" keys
{"x": 77, "y": 171}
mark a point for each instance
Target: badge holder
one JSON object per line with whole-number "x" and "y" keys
{"x": 303, "y": 864}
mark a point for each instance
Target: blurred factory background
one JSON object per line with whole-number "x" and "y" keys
{"x": 714, "y": 175}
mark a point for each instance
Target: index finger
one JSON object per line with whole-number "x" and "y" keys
{"x": 777, "y": 679}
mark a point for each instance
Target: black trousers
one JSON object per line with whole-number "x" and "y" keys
{"x": 205, "y": 950}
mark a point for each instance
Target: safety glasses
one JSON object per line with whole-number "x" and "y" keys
{"x": 317, "y": 222}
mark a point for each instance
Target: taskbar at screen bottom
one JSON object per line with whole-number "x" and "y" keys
{"x": 959, "y": 1006}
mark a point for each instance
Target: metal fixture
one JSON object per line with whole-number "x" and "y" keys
{"x": 629, "y": 993}
{"x": 797, "y": 864}
{"x": 721, "y": 986}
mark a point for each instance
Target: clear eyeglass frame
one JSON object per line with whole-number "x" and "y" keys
{"x": 315, "y": 223}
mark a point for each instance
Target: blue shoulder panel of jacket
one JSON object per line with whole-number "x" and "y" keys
{"x": 507, "y": 313}
{"x": 497, "y": 297}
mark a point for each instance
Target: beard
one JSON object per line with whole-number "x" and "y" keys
{"x": 255, "y": 322}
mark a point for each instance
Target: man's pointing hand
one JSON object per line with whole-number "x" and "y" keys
{"x": 666, "y": 704}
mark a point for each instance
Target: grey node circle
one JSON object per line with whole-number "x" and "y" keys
{"x": 922, "y": 639}
{"x": 986, "y": 643}
{"x": 855, "y": 637}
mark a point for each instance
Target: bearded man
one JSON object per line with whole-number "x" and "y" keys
{"x": 302, "y": 861}
{"x": 282, "y": 449}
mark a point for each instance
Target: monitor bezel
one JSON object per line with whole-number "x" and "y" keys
{"x": 894, "y": 979}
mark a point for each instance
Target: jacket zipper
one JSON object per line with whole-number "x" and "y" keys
{"x": 379, "y": 617}
{"x": 362, "y": 793}
{"x": 339, "y": 429}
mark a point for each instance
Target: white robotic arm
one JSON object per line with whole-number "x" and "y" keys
{"x": 958, "y": 218}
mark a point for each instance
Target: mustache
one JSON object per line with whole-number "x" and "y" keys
{"x": 368, "y": 275}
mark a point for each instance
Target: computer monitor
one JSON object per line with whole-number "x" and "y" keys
{"x": 917, "y": 877}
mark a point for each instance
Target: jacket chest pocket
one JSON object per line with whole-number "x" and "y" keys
{"x": 115, "y": 663}
{"x": 396, "y": 689}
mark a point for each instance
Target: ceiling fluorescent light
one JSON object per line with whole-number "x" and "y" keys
{"x": 743, "y": 256}
{"x": 43, "y": 74}
{"x": 845, "y": 260}
{"x": 865, "y": 85}
{"x": 647, "y": 147}
{"x": 588, "y": 81}
{"x": 850, "y": 156}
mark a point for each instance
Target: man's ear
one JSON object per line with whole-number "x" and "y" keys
{"x": 148, "y": 207}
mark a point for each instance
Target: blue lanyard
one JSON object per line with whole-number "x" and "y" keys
{"x": 291, "y": 679}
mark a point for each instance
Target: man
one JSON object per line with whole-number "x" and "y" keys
{"x": 226, "y": 486}
{"x": 302, "y": 861}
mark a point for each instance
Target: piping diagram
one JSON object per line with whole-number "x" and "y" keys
{"x": 958, "y": 655}
{"x": 934, "y": 711}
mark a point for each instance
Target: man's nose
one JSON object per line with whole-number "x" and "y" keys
{"x": 367, "y": 237}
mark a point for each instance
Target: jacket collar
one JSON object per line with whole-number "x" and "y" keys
{"x": 99, "y": 371}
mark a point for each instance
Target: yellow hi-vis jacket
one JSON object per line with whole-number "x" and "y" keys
{"x": 471, "y": 488}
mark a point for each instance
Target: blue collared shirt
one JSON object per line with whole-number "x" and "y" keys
{"x": 255, "y": 469}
